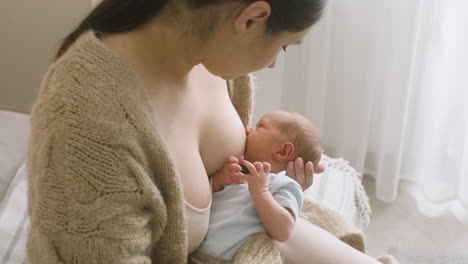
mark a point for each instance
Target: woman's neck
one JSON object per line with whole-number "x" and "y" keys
{"x": 157, "y": 53}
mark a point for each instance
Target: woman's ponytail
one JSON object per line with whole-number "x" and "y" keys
{"x": 113, "y": 16}
{"x": 116, "y": 16}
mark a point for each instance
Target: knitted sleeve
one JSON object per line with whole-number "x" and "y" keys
{"x": 241, "y": 91}
{"x": 90, "y": 193}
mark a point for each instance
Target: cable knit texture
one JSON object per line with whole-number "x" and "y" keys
{"x": 102, "y": 185}
{"x": 333, "y": 222}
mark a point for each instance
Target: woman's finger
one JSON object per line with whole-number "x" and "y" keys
{"x": 309, "y": 172}
{"x": 290, "y": 170}
{"x": 299, "y": 169}
{"x": 320, "y": 169}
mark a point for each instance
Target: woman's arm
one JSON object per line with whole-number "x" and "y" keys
{"x": 91, "y": 198}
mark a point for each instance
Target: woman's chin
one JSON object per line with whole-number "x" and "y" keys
{"x": 224, "y": 74}
{"x": 228, "y": 77}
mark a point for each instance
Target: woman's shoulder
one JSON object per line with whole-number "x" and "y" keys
{"x": 90, "y": 65}
{"x": 89, "y": 82}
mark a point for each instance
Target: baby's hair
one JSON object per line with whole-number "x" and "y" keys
{"x": 304, "y": 136}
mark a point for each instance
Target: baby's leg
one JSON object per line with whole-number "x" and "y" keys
{"x": 311, "y": 244}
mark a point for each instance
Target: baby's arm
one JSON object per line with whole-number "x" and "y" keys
{"x": 277, "y": 220}
{"x": 229, "y": 174}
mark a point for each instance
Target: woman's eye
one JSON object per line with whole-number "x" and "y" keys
{"x": 285, "y": 47}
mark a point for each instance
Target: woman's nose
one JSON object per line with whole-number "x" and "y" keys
{"x": 272, "y": 65}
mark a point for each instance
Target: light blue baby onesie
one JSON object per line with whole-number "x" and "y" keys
{"x": 233, "y": 216}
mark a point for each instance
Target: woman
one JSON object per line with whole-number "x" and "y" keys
{"x": 135, "y": 114}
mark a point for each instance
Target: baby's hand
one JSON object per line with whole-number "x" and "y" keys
{"x": 229, "y": 174}
{"x": 258, "y": 177}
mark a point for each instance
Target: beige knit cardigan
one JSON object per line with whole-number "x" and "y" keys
{"x": 102, "y": 185}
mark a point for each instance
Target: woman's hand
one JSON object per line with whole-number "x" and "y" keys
{"x": 302, "y": 173}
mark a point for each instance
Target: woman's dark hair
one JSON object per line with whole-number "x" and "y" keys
{"x": 116, "y": 16}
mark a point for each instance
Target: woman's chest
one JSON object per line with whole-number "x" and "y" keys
{"x": 201, "y": 129}
{"x": 201, "y": 138}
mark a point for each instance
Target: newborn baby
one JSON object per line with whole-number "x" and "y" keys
{"x": 263, "y": 198}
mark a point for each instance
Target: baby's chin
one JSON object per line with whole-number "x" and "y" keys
{"x": 247, "y": 156}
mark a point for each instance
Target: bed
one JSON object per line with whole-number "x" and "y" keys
{"x": 339, "y": 187}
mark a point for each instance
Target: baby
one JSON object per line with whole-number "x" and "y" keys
{"x": 263, "y": 198}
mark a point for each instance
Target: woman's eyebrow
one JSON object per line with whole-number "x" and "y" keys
{"x": 299, "y": 42}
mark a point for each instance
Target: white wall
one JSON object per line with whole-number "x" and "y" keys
{"x": 30, "y": 32}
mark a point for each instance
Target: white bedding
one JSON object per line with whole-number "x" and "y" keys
{"x": 14, "y": 132}
{"x": 339, "y": 187}
{"x": 14, "y": 220}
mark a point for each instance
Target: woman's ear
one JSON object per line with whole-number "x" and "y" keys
{"x": 285, "y": 152}
{"x": 254, "y": 14}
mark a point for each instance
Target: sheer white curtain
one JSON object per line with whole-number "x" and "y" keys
{"x": 386, "y": 83}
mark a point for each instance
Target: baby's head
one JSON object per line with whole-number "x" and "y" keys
{"x": 280, "y": 137}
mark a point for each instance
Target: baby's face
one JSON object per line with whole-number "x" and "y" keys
{"x": 264, "y": 137}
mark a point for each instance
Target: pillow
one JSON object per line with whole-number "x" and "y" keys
{"x": 14, "y": 133}
{"x": 339, "y": 187}
{"x": 14, "y": 220}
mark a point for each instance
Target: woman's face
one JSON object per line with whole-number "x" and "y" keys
{"x": 236, "y": 49}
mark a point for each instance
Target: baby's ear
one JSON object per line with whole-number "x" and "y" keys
{"x": 285, "y": 152}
